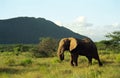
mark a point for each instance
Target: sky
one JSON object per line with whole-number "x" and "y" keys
{"x": 92, "y": 18}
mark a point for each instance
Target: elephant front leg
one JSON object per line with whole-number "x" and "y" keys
{"x": 71, "y": 61}
{"x": 74, "y": 59}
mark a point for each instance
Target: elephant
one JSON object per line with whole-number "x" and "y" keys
{"x": 85, "y": 47}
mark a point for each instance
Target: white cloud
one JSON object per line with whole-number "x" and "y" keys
{"x": 116, "y": 25}
{"x": 80, "y": 25}
{"x": 113, "y": 26}
{"x": 82, "y": 21}
{"x": 58, "y": 23}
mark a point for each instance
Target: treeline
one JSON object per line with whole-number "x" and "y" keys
{"x": 47, "y": 47}
{"x": 16, "y": 47}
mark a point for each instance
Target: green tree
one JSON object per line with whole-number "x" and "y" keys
{"x": 114, "y": 40}
{"x": 114, "y": 36}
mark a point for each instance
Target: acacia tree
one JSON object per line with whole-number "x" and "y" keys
{"x": 114, "y": 39}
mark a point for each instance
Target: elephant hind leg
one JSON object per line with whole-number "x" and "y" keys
{"x": 97, "y": 58}
{"x": 89, "y": 59}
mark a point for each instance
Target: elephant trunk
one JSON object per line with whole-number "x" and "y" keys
{"x": 60, "y": 53}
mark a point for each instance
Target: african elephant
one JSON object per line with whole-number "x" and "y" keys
{"x": 77, "y": 47}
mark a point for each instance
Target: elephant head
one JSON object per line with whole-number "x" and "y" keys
{"x": 66, "y": 44}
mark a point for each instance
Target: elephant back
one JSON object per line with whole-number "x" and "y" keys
{"x": 89, "y": 44}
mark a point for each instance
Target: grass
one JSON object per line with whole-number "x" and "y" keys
{"x": 24, "y": 66}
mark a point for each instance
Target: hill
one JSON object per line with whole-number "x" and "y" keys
{"x": 30, "y": 30}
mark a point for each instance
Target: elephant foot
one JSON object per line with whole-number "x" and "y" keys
{"x": 100, "y": 64}
{"x": 74, "y": 65}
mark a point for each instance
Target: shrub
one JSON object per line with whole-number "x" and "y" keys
{"x": 46, "y": 48}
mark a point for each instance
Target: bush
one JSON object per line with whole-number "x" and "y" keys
{"x": 46, "y": 48}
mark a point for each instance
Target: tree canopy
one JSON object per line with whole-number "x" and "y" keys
{"x": 114, "y": 41}
{"x": 114, "y": 37}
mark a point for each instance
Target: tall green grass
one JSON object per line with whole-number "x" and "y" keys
{"x": 25, "y": 66}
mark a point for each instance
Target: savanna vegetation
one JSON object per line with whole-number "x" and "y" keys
{"x": 40, "y": 60}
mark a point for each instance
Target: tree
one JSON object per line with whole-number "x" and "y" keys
{"x": 114, "y": 39}
{"x": 115, "y": 36}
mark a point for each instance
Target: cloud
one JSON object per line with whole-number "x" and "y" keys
{"x": 82, "y": 21}
{"x": 58, "y": 23}
{"x": 80, "y": 25}
{"x": 116, "y": 25}
{"x": 112, "y": 27}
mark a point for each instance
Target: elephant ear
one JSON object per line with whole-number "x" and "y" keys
{"x": 73, "y": 43}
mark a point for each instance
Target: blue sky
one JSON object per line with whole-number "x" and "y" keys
{"x": 93, "y": 18}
